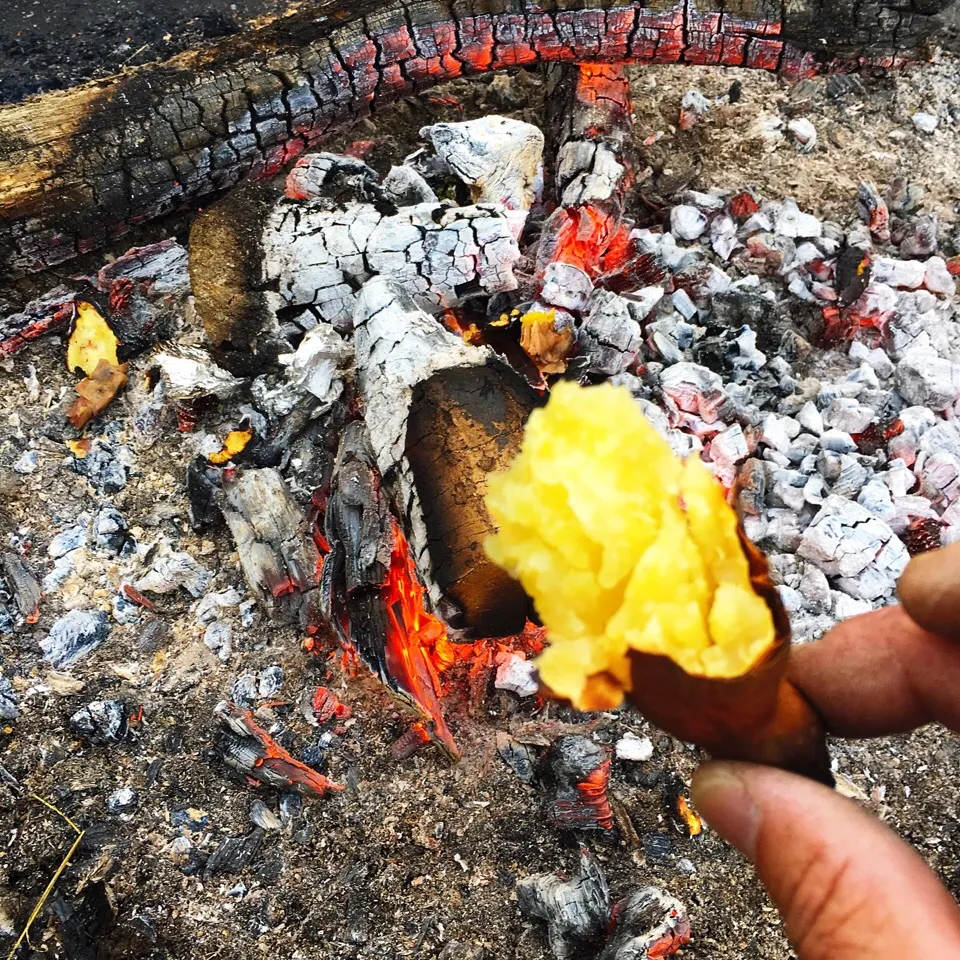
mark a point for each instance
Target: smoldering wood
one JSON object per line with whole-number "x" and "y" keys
{"x": 442, "y": 415}
{"x": 356, "y": 603}
{"x": 650, "y": 923}
{"x": 247, "y": 748}
{"x": 279, "y": 558}
{"x": 51, "y": 313}
{"x": 575, "y": 772}
{"x": 82, "y": 166}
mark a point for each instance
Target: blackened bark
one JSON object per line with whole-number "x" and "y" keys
{"x": 80, "y": 167}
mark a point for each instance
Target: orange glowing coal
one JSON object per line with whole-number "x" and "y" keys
{"x": 414, "y": 639}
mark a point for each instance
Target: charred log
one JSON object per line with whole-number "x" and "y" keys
{"x": 576, "y": 911}
{"x": 442, "y": 415}
{"x": 81, "y": 167}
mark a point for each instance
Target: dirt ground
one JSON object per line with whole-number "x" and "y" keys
{"x": 418, "y": 857}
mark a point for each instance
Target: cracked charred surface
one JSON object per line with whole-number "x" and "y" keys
{"x": 309, "y": 256}
{"x": 81, "y": 167}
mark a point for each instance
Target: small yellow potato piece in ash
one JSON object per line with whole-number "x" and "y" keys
{"x": 92, "y": 340}
{"x": 622, "y": 546}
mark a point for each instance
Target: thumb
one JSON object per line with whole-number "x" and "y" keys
{"x": 847, "y": 887}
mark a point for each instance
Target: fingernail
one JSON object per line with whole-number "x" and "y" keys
{"x": 722, "y": 798}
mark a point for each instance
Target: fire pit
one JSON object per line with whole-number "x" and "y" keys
{"x": 253, "y": 647}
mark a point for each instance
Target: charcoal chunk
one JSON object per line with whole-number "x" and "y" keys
{"x": 102, "y": 721}
{"x": 234, "y": 853}
{"x": 74, "y": 636}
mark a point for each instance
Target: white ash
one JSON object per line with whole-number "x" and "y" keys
{"x": 74, "y": 636}
{"x": 8, "y": 700}
{"x": 588, "y": 171}
{"x": 693, "y": 106}
{"x": 876, "y": 357}
{"x": 210, "y": 606}
{"x": 566, "y": 286}
{"x": 926, "y": 122}
{"x": 122, "y": 800}
{"x": 634, "y": 748}
{"x": 406, "y": 187}
{"x": 500, "y": 158}
{"x": 189, "y": 374}
{"x": 27, "y": 463}
{"x": 937, "y": 278}
{"x": 516, "y": 674}
{"x": 849, "y": 543}
{"x": 924, "y": 378}
{"x": 270, "y": 681}
{"x": 398, "y": 346}
{"x": 219, "y": 638}
{"x": 311, "y": 175}
{"x": 804, "y": 133}
{"x": 319, "y": 364}
{"x": 609, "y": 339}
{"x": 171, "y": 571}
{"x": 687, "y": 222}
{"x": 904, "y": 274}
{"x": 320, "y": 258}
{"x": 939, "y": 478}
{"x": 683, "y": 304}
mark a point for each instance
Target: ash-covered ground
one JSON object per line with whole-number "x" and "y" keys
{"x": 416, "y": 857}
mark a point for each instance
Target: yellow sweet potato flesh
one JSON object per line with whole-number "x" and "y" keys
{"x": 622, "y": 546}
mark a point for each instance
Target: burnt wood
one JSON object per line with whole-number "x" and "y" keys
{"x": 80, "y": 167}
{"x": 463, "y": 424}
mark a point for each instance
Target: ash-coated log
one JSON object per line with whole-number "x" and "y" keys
{"x": 82, "y": 166}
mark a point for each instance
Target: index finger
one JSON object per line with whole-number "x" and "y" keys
{"x": 879, "y": 674}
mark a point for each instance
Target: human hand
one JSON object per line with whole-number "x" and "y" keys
{"x": 847, "y": 887}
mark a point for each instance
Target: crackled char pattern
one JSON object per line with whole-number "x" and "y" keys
{"x": 81, "y": 167}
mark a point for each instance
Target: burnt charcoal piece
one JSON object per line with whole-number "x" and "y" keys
{"x": 576, "y": 910}
{"x": 102, "y": 721}
{"x": 203, "y": 482}
{"x": 576, "y": 772}
{"x": 73, "y": 636}
{"x": 517, "y": 756}
{"x": 234, "y": 853}
{"x": 103, "y": 467}
{"x": 279, "y": 558}
{"x": 23, "y": 585}
{"x": 245, "y": 746}
{"x": 649, "y": 923}
{"x": 8, "y": 700}
{"x": 122, "y": 800}
{"x": 736, "y": 308}
{"x": 82, "y": 923}
{"x": 111, "y": 533}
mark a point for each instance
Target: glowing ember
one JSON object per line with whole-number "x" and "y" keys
{"x": 414, "y": 638}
